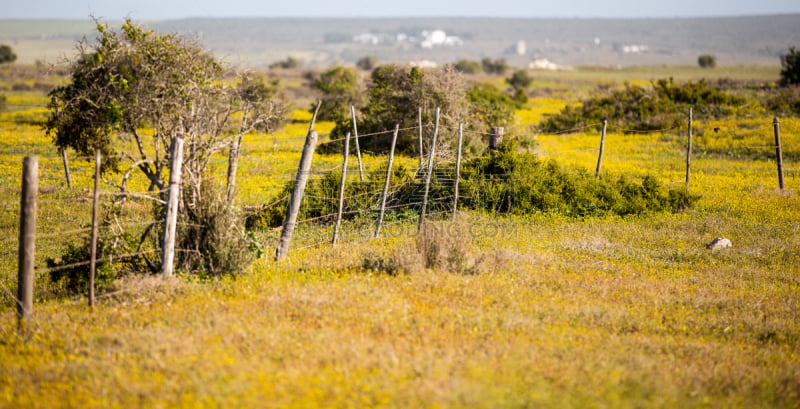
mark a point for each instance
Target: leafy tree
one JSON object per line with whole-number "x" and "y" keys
{"x": 367, "y": 63}
{"x": 790, "y": 74}
{"x": 2, "y": 102}
{"x": 468, "y": 67}
{"x": 340, "y": 88}
{"x": 395, "y": 95}
{"x": 7, "y": 54}
{"x": 707, "y": 61}
{"x": 133, "y": 79}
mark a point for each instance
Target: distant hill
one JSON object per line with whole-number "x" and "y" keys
{"x": 257, "y": 42}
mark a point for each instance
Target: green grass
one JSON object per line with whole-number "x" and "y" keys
{"x": 561, "y": 312}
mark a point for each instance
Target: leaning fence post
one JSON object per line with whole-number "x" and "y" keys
{"x": 168, "y": 249}
{"x": 95, "y": 207}
{"x": 341, "y": 189}
{"x": 602, "y": 147}
{"x": 67, "y": 174}
{"x": 458, "y": 168}
{"x": 358, "y": 147}
{"x": 689, "y": 148}
{"x": 386, "y": 183}
{"x": 297, "y": 196}
{"x": 430, "y": 173}
{"x": 779, "y": 155}
{"x": 27, "y": 238}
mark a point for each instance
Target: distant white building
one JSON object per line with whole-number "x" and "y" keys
{"x": 438, "y": 38}
{"x": 424, "y": 64}
{"x": 545, "y": 64}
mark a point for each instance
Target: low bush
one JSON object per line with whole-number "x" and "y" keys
{"x": 519, "y": 183}
{"x": 661, "y": 106}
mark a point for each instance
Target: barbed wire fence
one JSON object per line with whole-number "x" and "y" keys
{"x": 358, "y": 210}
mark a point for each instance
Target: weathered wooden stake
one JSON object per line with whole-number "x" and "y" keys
{"x": 358, "y": 147}
{"x": 419, "y": 120}
{"x": 168, "y": 248}
{"x": 778, "y": 154}
{"x": 429, "y": 175}
{"x": 27, "y": 238}
{"x": 233, "y": 166}
{"x": 341, "y": 189}
{"x": 386, "y": 182}
{"x": 95, "y": 211}
{"x": 602, "y": 148}
{"x": 458, "y": 168}
{"x": 297, "y": 196}
{"x": 689, "y": 147}
{"x": 67, "y": 174}
{"x": 496, "y": 137}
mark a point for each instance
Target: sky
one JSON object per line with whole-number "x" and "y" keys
{"x": 175, "y": 9}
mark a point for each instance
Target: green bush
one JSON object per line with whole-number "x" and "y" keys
{"x": 468, "y": 67}
{"x": 70, "y": 271}
{"x": 519, "y": 183}
{"x": 661, "y": 106}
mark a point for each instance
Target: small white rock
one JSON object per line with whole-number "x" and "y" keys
{"x": 719, "y": 243}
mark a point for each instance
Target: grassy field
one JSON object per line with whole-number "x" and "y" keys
{"x": 615, "y": 312}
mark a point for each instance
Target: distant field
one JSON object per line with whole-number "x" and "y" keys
{"x": 257, "y": 42}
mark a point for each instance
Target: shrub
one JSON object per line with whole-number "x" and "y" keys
{"x": 212, "y": 239}
{"x": 662, "y": 106}
{"x": 490, "y": 66}
{"x": 508, "y": 182}
{"x": 289, "y": 63}
{"x": 784, "y": 101}
{"x": 707, "y": 61}
{"x": 468, "y": 67}
{"x": 340, "y": 88}
{"x": 790, "y": 73}
{"x": 71, "y": 269}
{"x": 367, "y": 63}
{"x": 7, "y": 54}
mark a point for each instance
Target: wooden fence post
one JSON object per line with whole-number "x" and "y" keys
{"x": 419, "y": 120}
{"x": 458, "y": 168}
{"x": 233, "y": 165}
{"x": 297, "y": 196}
{"x": 689, "y": 147}
{"x": 602, "y": 148}
{"x": 67, "y": 174}
{"x": 778, "y": 154}
{"x": 358, "y": 147}
{"x": 496, "y": 137}
{"x": 168, "y": 248}
{"x": 27, "y": 238}
{"x": 386, "y": 182}
{"x": 430, "y": 173}
{"x": 95, "y": 208}
{"x": 341, "y": 189}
